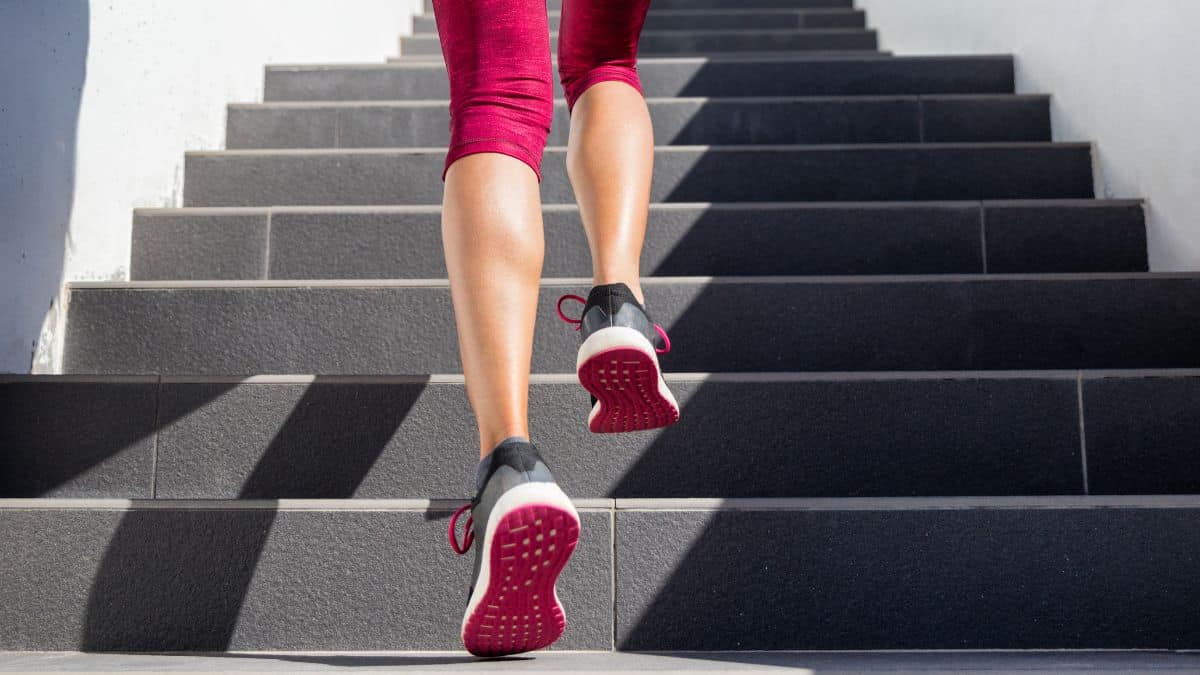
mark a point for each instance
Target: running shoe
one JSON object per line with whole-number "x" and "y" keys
{"x": 618, "y": 361}
{"x": 530, "y": 528}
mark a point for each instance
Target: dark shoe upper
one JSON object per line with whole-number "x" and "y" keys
{"x": 615, "y": 305}
{"x": 514, "y": 461}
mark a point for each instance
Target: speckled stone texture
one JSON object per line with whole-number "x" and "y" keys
{"x": 201, "y": 579}
{"x": 681, "y": 240}
{"x": 62, "y": 438}
{"x": 737, "y": 75}
{"x": 728, "y": 173}
{"x": 868, "y": 324}
{"x": 735, "y": 439}
{"x": 1012, "y": 578}
{"x": 687, "y": 121}
{"x": 684, "y": 42}
{"x": 718, "y": 19}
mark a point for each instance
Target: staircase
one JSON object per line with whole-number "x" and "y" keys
{"x": 964, "y": 418}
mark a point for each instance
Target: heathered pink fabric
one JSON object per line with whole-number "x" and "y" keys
{"x": 497, "y": 55}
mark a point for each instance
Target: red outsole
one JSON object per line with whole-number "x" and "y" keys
{"x": 625, "y": 382}
{"x": 519, "y": 611}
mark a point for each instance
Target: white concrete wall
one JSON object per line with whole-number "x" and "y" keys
{"x": 99, "y": 101}
{"x": 1124, "y": 75}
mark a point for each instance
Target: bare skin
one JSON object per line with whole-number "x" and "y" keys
{"x": 493, "y": 241}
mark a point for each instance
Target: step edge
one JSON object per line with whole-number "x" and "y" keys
{"x": 618, "y": 505}
{"x": 749, "y": 377}
{"x": 762, "y": 148}
{"x": 155, "y": 212}
{"x": 652, "y": 100}
{"x": 729, "y": 58}
{"x": 585, "y": 282}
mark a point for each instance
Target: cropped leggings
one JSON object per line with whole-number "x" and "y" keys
{"x": 497, "y": 55}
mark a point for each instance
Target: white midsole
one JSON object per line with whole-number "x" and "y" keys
{"x": 620, "y": 337}
{"x": 539, "y": 492}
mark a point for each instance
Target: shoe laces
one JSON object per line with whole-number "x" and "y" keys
{"x": 579, "y": 322}
{"x": 468, "y": 530}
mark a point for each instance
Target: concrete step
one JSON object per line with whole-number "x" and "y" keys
{"x": 808, "y": 55}
{"x": 709, "y": 41}
{"x": 982, "y": 573}
{"x": 728, "y": 173}
{"x": 727, "y": 75}
{"x": 677, "y": 121}
{"x": 607, "y": 663}
{"x": 740, "y": 435}
{"x": 711, "y": 19}
{"x": 556, "y": 5}
{"x": 396, "y": 242}
{"x": 726, "y": 324}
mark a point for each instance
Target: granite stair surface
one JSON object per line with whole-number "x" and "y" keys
{"x": 933, "y": 397}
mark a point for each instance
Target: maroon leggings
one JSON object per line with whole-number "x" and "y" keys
{"x": 497, "y": 55}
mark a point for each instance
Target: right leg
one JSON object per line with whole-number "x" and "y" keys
{"x": 497, "y": 55}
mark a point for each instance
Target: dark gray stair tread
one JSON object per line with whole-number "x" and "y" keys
{"x": 667, "y": 42}
{"x": 772, "y": 55}
{"x": 681, "y": 240}
{"x": 740, "y": 435}
{"x": 782, "y": 324}
{"x": 678, "y": 121}
{"x": 718, "y": 18}
{"x": 966, "y": 573}
{"x": 727, "y": 75}
{"x": 215, "y": 576}
{"x": 1143, "y": 433}
{"x": 723, "y": 173}
{"x": 988, "y": 575}
{"x": 78, "y": 437}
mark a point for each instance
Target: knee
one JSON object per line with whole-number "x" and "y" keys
{"x": 578, "y": 73}
{"x": 509, "y": 115}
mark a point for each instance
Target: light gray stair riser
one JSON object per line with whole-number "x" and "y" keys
{"x": 681, "y": 174}
{"x": 792, "y": 324}
{"x": 969, "y": 576}
{"x": 706, "y": 42}
{"x": 735, "y": 121}
{"x": 716, "y": 19}
{"x": 556, "y": 5}
{"x": 780, "y": 75}
{"x": 681, "y": 240}
{"x": 823, "y": 436}
{"x": 212, "y": 579}
{"x": 739, "y": 19}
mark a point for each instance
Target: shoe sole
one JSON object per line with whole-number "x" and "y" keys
{"x": 619, "y": 367}
{"x": 531, "y": 534}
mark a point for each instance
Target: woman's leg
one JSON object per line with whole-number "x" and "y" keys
{"x": 610, "y": 158}
{"x": 610, "y": 155}
{"x": 497, "y": 55}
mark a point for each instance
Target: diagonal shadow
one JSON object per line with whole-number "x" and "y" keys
{"x": 174, "y": 580}
{"x": 54, "y": 431}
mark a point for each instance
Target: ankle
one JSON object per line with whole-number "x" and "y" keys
{"x": 633, "y": 283}
{"x": 489, "y": 442}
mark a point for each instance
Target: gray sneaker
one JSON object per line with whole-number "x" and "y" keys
{"x": 530, "y": 528}
{"x": 618, "y": 362}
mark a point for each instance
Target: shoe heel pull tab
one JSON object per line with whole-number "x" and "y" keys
{"x": 468, "y": 530}
{"x": 666, "y": 340}
{"x": 570, "y": 296}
